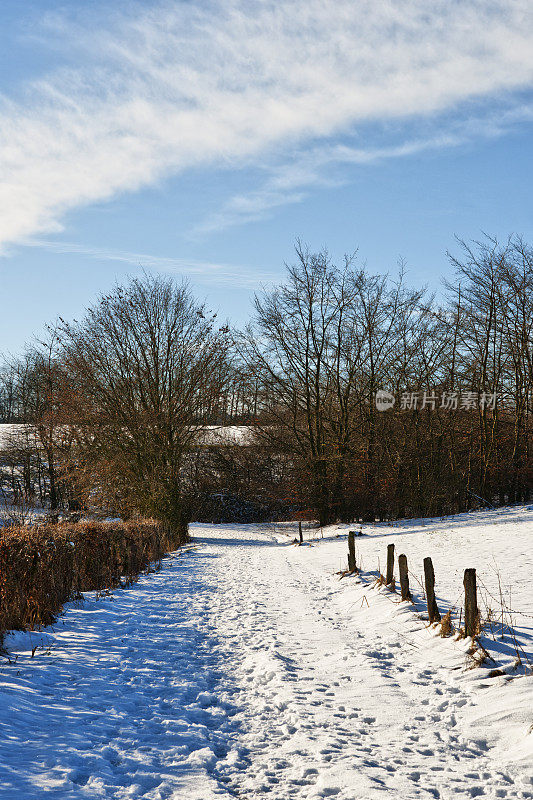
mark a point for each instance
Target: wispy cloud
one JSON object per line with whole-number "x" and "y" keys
{"x": 292, "y": 180}
{"x": 157, "y": 90}
{"x": 201, "y": 271}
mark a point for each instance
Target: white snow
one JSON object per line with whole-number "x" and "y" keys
{"x": 498, "y": 543}
{"x": 226, "y": 435}
{"x": 247, "y": 668}
{"x": 11, "y": 433}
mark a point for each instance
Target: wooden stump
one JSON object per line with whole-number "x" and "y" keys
{"x": 351, "y": 552}
{"x": 404, "y": 577}
{"x": 389, "y": 577}
{"x": 471, "y": 609}
{"x": 429, "y": 578}
{"x": 300, "y": 533}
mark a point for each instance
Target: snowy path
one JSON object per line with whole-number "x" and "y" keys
{"x": 241, "y": 670}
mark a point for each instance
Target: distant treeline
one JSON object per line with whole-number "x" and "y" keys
{"x": 366, "y": 398}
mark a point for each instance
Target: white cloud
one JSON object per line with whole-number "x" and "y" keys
{"x": 201, "y": 271}
{"x": 157, "y": 91}
{"x": 290, "y": 181}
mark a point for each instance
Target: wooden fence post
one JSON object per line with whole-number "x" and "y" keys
{"x": 300, "y": 532}
{"x": 471, "y": 609}
{"x": 351, "y": 551}
{"x": 404, "y": 577}
{"x": 389, "y": 577}
{"x": 429, "y": 579}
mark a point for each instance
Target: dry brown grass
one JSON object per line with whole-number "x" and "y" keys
{"x": 44, "y": 566}
{"x": 446, "y": 625}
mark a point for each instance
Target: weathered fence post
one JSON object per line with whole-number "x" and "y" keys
{"x": 389, "y": 577}
{"x": 429, "y": 579}
{"x": 300, "y": 532}
{"x": 351, "y": 551}
{"x": 404, "y": 577}
{"x": 471, "y": 609}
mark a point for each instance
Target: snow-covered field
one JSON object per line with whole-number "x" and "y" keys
{"x": 247, "y": 668}
{"x": 208, "y": 435}
{"x": 499, "y": 544}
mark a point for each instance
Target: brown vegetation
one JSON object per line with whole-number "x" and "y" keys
{"x": 321, "y": 345}
{"x": 44, "y": 566}
{"x": 135, "y": 381}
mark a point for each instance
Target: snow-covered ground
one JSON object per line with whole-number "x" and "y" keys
{"x": 498, "y": 544}
{"x": 247, "y": 668}
{"x": 11, "y": 433}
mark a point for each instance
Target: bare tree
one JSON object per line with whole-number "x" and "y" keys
{"x": 35, "y": 448}
{"x": 289, "y": 351}
{"x": 145, "y": 366}
{"x": 321, "y": 345}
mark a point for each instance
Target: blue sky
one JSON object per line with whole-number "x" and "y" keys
{"x": 200, "y": 139}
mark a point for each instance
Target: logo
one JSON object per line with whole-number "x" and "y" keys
{"x": 384, "y": 400}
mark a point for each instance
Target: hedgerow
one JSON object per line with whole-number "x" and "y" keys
{"x": 44, "y": 566}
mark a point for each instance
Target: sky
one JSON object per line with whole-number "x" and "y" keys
{"x": 200, "y": 139}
